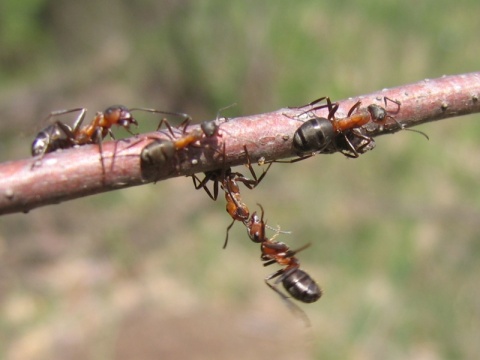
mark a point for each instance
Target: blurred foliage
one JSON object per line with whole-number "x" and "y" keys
{"x": 127, "y": 275}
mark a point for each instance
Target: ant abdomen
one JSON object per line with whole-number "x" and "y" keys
{"x": 157, "y": 153}
{"x": 301, "y": 286}
{"x": 52, "y": 138}
{"x": 313, "y": 135}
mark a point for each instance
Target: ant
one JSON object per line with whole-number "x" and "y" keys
{"x": 321, "y": 135}
{"x": 160, "y": 151}
{"x": 224, "y": 175}
{"x": 229, "y": 180}
{"x": 61, "y": 136}
{"x": 157, "y": 152}
{"x": 207, "y": 129}
{"x": 296, "y": 282}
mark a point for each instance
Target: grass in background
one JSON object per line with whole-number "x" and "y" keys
{"x": 394, "y": 233}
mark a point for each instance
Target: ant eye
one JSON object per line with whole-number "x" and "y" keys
{"x": 109, "y": 111}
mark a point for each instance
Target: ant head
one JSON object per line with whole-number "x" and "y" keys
{"x": 209, "y": 128}
{"x": 256, "y": 227}
{"x": 378, "y": 113}
{"x": 120, "y": 115}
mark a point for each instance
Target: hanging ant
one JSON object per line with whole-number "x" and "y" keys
{"x": 295, "y": 281}
{"x": 229, "y": 180}
{"x": 220, "y": 176}
{"x": 235, "y": 207}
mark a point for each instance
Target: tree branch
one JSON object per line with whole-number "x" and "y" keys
{"x": 78, "y": 172}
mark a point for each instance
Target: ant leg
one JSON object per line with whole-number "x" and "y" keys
{"x": 215, "y": 175}
{"x": 78, "y": 122}
{"x": 98, "y": 134}
{"x": 226, "y": 237}
{"x": 167, "y": 124}
{"x": 294, "y": 308}
{"x": 310, "y": 104}
{"x": 354, "y": 153}
{"x": 398, "y": 103}
{"x": 402, "y": 127}
{"x": 251, "y": 184}
{"x": 66, "y": 130}
{"x": 368, "y": 141}
{"x": 332, "y": 108}
{"x": 328, "y": 105}
{"x": 237, "y": 210}
{"x": 291, "y": 161}
{"x": 185, "y": 122}
{"x": 353, "y": 108}
{"x": 199, "y": 184}
{"x": 293, "y": 252}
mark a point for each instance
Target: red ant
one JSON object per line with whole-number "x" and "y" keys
{"x": 295, "y": 281}
{"x": 61, "y": 136}
{"x": 332, "y": 134}
{"x": 207, "y": 129}
{"x": 160, "y": 151}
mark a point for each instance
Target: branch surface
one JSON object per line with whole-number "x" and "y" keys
{"x": 78, "y": 172}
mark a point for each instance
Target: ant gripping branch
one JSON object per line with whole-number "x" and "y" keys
{"x": 229, "y": 180}
{"x": 160, "y": 151}
{"x": 61, "y": 136}
{"x": 321, "y": 135}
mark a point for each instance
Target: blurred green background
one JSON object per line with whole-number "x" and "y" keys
{"x": 140, "y": 273}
